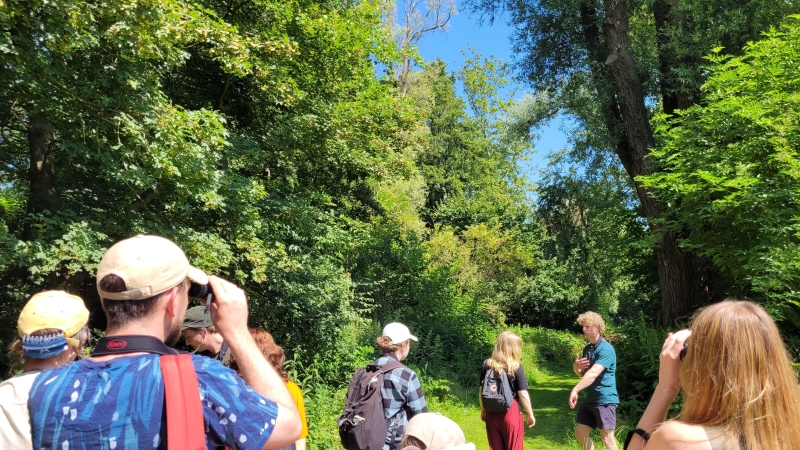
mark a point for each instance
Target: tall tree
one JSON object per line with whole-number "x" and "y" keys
{"x": 731, "y": 165}
{"x": 252, "y": 133}
{"x": 628, "y": 54}
{"x": 415, "y": 20}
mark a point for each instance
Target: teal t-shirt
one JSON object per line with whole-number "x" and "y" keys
{"x": 604, "y": 388}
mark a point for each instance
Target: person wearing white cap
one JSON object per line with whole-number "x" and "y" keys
{"x": 116, "y": 399}
{"x": 433, "y": 431}
{"x": 52, "y": 328}
{"x": 401, "y": 391}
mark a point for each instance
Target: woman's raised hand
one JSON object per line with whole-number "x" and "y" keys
{"x": 670, "y": 359}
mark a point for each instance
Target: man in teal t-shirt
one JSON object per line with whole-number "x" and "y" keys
{"x": 597, "y": 368}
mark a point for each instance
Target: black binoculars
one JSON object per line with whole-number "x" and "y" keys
{"x": 201, "y": 291}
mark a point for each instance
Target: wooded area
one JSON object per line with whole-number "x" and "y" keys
{"x": 290, "y": 147}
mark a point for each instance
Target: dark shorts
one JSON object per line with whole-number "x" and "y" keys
{"x": 602, "y": 416}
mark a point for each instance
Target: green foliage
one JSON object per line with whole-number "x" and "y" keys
{"x": 469, "y": 167}
{"x": 549, "y": 297}
{"x": 730, "y": 168}
{"x": 599, "y": 237}
{"x": 638, "y": 347}
{"x": 553, "y": 349}
{"x": 566, "y": 51}
{"x": 254, "y": 135}
{"x": 323, "y": 407}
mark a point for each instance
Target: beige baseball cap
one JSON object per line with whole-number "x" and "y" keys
{"x": 437, "y": 432}
{"x": 149, "y": 265}
{"x": 53, "y": 309}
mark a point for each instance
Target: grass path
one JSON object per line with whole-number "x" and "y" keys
{"x": 555, "y": 422}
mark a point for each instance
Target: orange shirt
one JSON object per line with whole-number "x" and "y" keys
{"x": 297, "y": 395}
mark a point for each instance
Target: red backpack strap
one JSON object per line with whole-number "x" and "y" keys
{"x": 185, "y": 425}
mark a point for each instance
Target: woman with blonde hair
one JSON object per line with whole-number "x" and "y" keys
{"x": 739, "y": 389}
{"x": 506, "y": 430}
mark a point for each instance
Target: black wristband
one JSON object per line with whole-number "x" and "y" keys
{"x": 643, "y": 434}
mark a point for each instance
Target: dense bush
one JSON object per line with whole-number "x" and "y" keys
{"x": 552, "y": 349}
{"x": 323, "y": 407}
{"x": 638, "y": 346}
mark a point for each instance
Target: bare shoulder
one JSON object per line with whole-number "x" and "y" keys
{"x": 676, "y": 435}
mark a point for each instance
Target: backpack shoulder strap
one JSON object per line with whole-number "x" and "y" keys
{"x": 390, "y": 366}
{"x": 355, "y": 386}
{"x": 185, "y": 425}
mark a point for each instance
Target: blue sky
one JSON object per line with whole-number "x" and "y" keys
{"x": 465, "y": 30}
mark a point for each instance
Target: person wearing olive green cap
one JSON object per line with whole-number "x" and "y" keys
{"x": 52, "y": 328}
{"x": 199, "y": 333}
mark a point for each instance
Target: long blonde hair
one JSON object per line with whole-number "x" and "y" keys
{"x": 506, "y": 354}
{"x": 737, "y": 376}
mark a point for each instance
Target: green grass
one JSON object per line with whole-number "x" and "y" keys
{"x": 547, "y": 359}
{"x": 549, "y": 390}
{"x": 554, "y": 420}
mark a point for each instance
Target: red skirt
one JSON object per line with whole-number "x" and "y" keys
{"x": 506, "y": 431}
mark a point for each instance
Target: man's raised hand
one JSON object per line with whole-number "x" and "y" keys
{"x": 581, "y": 364}
{"x": 229, "y": 308}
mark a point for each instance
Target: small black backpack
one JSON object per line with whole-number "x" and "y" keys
{"x": 362, "y": 425}
{"x": 496, "y": 394}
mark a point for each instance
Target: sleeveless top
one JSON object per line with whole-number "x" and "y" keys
{"x": 718, "y": 440}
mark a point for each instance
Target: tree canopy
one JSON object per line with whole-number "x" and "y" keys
{"x": 730, "y": 167}
{"x": 611, "y": 65}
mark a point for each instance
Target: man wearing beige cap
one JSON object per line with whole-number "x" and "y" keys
{"x": 52, "y": 328}
{"x": 116, "y": 399}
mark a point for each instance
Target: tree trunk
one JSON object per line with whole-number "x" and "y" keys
{"x": 41, "y": 177}
{"x": 679, "y": 278}
{"x": 673, "y": 95}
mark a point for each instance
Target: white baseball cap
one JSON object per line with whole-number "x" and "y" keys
{"x": 398, "y": 332}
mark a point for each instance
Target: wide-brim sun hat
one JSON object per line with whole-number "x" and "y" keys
{"x": 196, "y": 317}
{"x": 437, "y": 432}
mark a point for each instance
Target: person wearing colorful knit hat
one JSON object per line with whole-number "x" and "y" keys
{"x": 52, "y": 328}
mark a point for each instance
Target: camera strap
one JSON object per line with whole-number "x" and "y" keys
{"x": 115, "y": 345}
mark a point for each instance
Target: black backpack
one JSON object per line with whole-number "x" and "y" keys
{"x": 362, "y": 425}
{"x": 496, "y": 394}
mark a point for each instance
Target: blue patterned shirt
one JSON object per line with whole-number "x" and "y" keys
{"x": 402, "y": 400}
{"x": 120, "y": 404}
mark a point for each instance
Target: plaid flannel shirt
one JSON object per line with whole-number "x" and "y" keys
{"x": 402, "y": 400}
